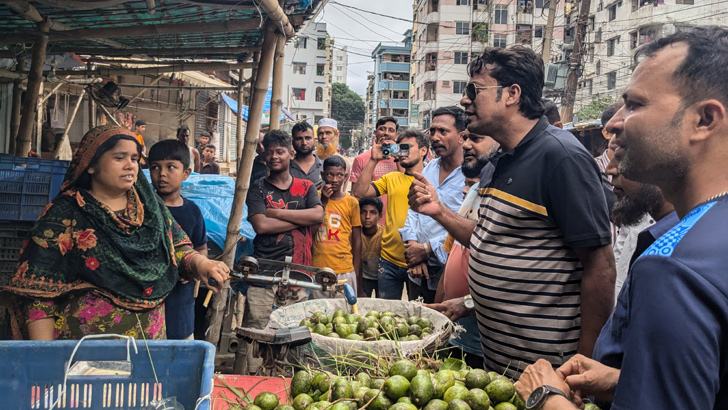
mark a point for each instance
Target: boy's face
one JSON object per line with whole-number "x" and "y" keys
{"x": 208, "y": 153}
{"x": 334, "y": 177}
{"x": 204, "y": 140}
{"x": 277, "y": 158}
{"x": 369, "y": 216}
{"x": 167, "y": 176}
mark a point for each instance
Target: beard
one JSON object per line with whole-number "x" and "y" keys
{"x": 629, "y": 210}
{"x": 323, "y": 151}
{"x": 300, "y": 152}
{"x": 410, "y": 164}
{"x": 471, "y": 169}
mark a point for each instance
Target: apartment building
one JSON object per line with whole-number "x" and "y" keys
{"x": 307, "y": 75}
{"x": 391, "y": 82}
{"x": 617, "y": 28}
{"x": 447, "y": 33}
{"x": 340, "y": 63}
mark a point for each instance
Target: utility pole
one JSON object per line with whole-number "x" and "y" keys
{"x": 567, "y": 110}
{"x": 548, "y": 34}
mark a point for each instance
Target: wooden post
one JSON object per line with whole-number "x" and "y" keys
{"x": 276, "y": 101}
{"x": 548, "y": 34}
{"x": 567, "y": 103}
{"x": 39, "y": 111}
{"x": 91, "y": 105}
{"x": 35, "y": 79}
{"x": 242, "y": 181}
{"x": 239, "y": 117}
{"x": 63, "y": 150}
{"x": 17, "y": 103}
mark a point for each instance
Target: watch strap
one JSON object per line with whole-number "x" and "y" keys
{"x": 539, "y": 396}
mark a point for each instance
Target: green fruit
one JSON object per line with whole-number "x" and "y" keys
{"x": 493, "y": 376}
{"x": 332, "y": 334}
{"x": 444, "y": 380}
{"x": 343, "y": 330}
{"x": 372, "y": 334}
{"x": 359, "y": 395}
{"x": 477, "y": 399}
{"x": 421, "y": 389}
{"x": 505, "y": 406}
{"x": 252, "y": 407}
{"x": 284, "y": 407}
{"x": 477, "y": 379}
{"x": 301, "y": 383}
{"x": 415, "y": 330}
{"x": 302, "y": 401}
{"x": 500, "y": 390}
{"x": 376, "y": 383}
{"x": 320, "y": 329}
{"x": 390, "y": 314}
{"x": 403, "y": 406}
{"x": 339, "y": 320}
{"x": 342, "y": 405}
{"x": 404, "y": 399}
{"x": 425, "y": 323}
{"x": 403, "y": 368}
{"x": 325, "y": 396}
{"x": 402, "y": 330}
{"x": 436, "y": 404}
{"x": 386, "y": 320}
{"x": 355, "y": 385}
{"x": 520, "y": 405}
{"x": 396, "y": 386}
{"x": 412, "y": 320}
{"x": 455, "y": 392}
{"x": 351, "y": 318}
{"x": 355, "y": 336}
{"x": 322, "y": 382}
{"x": 459, "y": 382}
{"x": 338, "y": 313}
{"x": 380, "y": 400}
{"x": 364, "y": 379}
{"x": 374, "y": 314}
{"x": 341, "y": 390}
{"x": 266, "y": 401}
{"x": 305, "y": 322}
{"x": 458, "y": 404}
{"x": 591, "y": 406}
{"x": 364, "y": 324}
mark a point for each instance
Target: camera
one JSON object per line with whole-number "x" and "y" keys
{"x": 395, "y": 150}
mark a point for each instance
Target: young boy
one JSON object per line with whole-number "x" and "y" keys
{"x": 209, "y": 166}
{"x": 338, "y": 242}
{"x": 169, "y": 163}
{"x": 371, "y": 242}
{"x": 283, "y": 211}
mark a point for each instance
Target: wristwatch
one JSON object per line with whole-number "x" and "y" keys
{"x": 538, "y": 398}
{"x": 469, "y": 303}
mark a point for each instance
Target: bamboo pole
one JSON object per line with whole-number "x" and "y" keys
{"x": 63, "y": 150}
{"x": 276, "y": 102}
{"x": 35, "y": 79}
{"x": 39, "y": 111}
{"x": 172, "y": 52}
{"x": 112, "y": 71}
{"x": 17, "y": 104}
{"x": 242, "y": 181}
{"x": 239, "y": 118}
{"x": 142, "y": 91}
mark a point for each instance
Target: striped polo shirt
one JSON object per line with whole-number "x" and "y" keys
{"x": 544, "y": 199}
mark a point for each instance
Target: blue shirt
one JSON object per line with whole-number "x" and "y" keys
{"x": 668, "y": 333}
{"x": 179, "y": 307}
{"x": 422, "y": 228}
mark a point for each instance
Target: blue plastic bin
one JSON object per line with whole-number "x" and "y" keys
{"x": 27, "y": 185}
{"x": 33, "y": 373}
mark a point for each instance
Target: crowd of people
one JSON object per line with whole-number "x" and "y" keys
{"x": 581, "y": 277}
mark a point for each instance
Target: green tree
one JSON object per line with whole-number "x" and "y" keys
{"x": 347, "y": 108}
{"x": 594, "y": 110}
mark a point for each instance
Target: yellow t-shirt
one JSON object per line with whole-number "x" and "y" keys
{"x": 396, "y": 186}
{"x": 332, "y": 244}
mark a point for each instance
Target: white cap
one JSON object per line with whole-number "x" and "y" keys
{"x": 328, "y": 122}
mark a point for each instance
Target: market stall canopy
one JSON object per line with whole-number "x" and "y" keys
{"x": 214, "y": 29}
{"x": 266, "y": 108}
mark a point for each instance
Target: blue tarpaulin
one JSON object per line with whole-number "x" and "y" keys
{"x": 266, "y": 108}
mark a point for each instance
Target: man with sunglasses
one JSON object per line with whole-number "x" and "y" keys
{"x": 541, "y": 267}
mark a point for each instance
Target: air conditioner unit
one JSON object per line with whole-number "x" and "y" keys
{"x": 551, "y": 71}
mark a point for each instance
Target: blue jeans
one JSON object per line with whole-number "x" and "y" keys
{"x": 392, "y": 280}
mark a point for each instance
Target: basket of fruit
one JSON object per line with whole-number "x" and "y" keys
{"x": 381, "y": 328}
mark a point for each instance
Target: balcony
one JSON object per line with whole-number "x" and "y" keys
{"x": 394, "y": 85}
{"x": 396, "y": 67}
{"x": 402, "y": 121}
{"x": 398, "y": 104}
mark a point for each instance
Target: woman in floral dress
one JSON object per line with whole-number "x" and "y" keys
{"x": 105, "y": 252}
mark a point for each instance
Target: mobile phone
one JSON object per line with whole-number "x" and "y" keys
{"x": 395, "y": 150}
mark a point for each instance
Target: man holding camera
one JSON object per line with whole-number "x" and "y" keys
{"x": 412, "y": 147}
{"x": 423, "y": 236}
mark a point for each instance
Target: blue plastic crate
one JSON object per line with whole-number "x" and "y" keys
{"x": 27, "y": 185}
{"x": 33, "y": 373}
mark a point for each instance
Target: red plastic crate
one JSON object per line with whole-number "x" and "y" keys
{"x": 252, "y": 385}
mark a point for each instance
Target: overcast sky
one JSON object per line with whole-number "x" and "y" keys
{"x": 361, "y": 31}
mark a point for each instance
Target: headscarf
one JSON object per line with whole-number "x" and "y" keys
{"x": 79, "y": 244}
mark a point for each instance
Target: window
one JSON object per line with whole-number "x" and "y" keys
{"x": 598, "y": 36}
{"x": 612, "y": 12}
{"x": 591, "y": 23}
{"x": 320, "y": 69}
{"x": 339, "y": 68}
{"x": 319, "y": 94}
{"x": 599, "y": 68}
{"x": 458, "y": 87}
{"x": 523, "y": 33}
{"x": 538, "y": 32}
{"x": 501, "y": 15}
{"x": 461, "y": 57}
{"x": 300, "y": 42}
{"x": 298, "y": 93}
{"x": 431, "y": 64}
{"x": 610, "y": 47}
{"x": 340, "y": 58}
{"x": 525, "y": 6}
{"x": 462, "y": 27}
{"x": 591, "y": 54}
{"x": 299, "y": 68}
{"x": 462, "y": 3}
{"x": 684, "y": 1}
{"x": 540, "y": 5}
{"x": 499, "y": 40}
{"x": 611, "y": 80}
{"x": 321, "y": 44}
{"x": 588, "y": 86}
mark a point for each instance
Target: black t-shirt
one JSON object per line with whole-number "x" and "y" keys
{"x": 179, "y": 305}
{"x": 301, "y": 194}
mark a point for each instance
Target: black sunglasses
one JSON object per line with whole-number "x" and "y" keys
{"x": 471, "y": 90}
